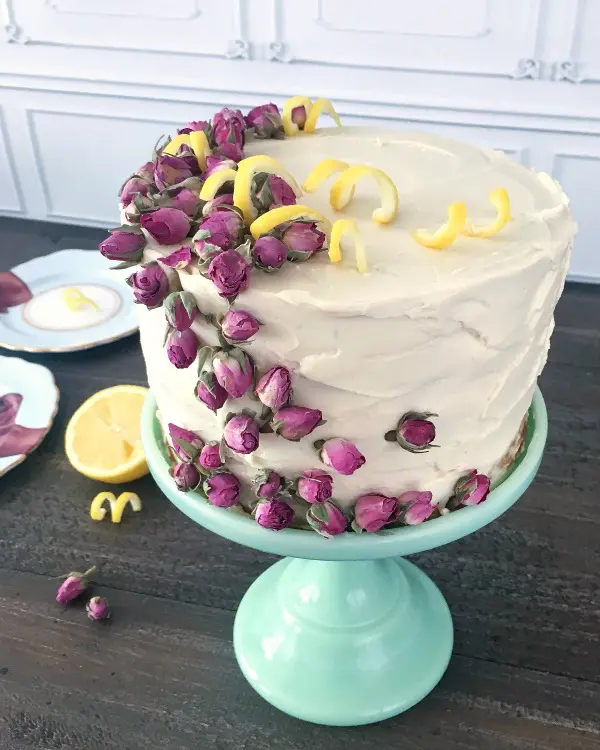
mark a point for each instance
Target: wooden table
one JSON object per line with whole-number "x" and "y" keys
{"x": 524, "y": 592}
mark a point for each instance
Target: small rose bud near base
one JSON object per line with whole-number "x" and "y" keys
{"x": 315, "y": 486}
{"x": 274, "y": 514}
{"x": 267, "y": 484}
{"x": 419, "y": 507}
{"x": 97, "y": 608}
{"x": 327, "y": 519}
{"x": 470, "y": 489}
{"x": 374, "y": 511}
{"x": 73, "y": 586}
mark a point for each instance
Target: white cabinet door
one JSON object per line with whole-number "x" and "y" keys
{"x": 200, "y": 27}
{"x": 482, "y": 37}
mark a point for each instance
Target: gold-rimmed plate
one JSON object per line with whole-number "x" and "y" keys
{"x": 28, "y": 405}
{"x": 35, "y": 314}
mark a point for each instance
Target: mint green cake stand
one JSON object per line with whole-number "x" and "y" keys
{"x": 344, "y": 631}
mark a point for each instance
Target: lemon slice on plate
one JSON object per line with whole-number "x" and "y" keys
{"x": 290, "y": 127}
{"x": 448, "y": 232}
{"x": 103, "y": 439}
{"x": 321, "y": 106}
{"x": 342, "y": 191}
{"x": 247, "y": 169}
{"x": 342, "y": 228}
{"x": 215, "y": 182}
{"x": 501, "y": 202}
{"x": 280, "y": 215}
{"x": 322, "y": 172}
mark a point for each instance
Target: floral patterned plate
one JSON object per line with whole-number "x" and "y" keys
{"x": 64, "y": 302}
{"x": 28, "y": 404}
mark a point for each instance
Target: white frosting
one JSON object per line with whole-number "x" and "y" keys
{"x": 462, "y": 332}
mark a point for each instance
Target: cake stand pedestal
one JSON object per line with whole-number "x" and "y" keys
{"x": 344, "y": 631}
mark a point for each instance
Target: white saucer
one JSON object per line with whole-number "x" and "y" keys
{"x": 28, "y": 405}
{"x": 47, "y": 324}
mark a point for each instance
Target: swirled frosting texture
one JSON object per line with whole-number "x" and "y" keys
{"x": 462, "y": 332}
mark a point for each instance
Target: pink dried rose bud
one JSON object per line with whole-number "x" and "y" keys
{"x": 168, "y": 226}
{"x": 341, "y": 455}
{"x": 146, "y": 171}
{"x": 267, "y": 484}
{"x": 135, "y": 186}
{"x": 195, "y": 125}
{"x": 186, "y": 200}
{"x": 170, "y": 170}
{"x": 222, "y": 489}
{"x": 266, "y": 122}
{"x": 471, "y": 489}
{"x": 232, "y": 151}
{"x": 186, "y": 444}
{"x": 180, "y": 310}
{"x": 315, "y": 486}
{"x": 216, "y": 163}
{"x": 220, "y": 203}
{"x": 418, "y": 507}
{"x": 234, "y": 371}
{"x": 282, "y": 193}
{"x": 211, "y": 393}
{"x": 225, "y": 229}
{"x": 228, "y": 271}
{"x": 229, "y": 127}
{"x": 178, "y": 259}
{"x": 269, "y": 253}
{"x": 13, "y": 291}
{"x": 97, "y": 608}
{"x": 186, "y": 155}
{"x": 303, "y": 240}
{"x": 374, "y": 511}
{"x": 274, "y": 389}
{"x": 327, "y": 519}
{"x": 182, "y": 348}
{"x": 186, "y": 476}
{"x": 150, "y": 285}
{"x": 73, "y": 586}
{"x": 295, "y": 422}
{"x": 299, "y": 116}
{"x": 415, "y": 432}
{"x": 210, "y": 457}
{"x": 273, "y": 514}
{"x": 241, "y": 434}
{"x": 239, "y": 325}
{"x": 123, "y": 246}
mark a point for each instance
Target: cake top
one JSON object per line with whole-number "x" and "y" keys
{"x": 430, "y": 172}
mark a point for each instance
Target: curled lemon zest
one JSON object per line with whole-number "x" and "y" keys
{"x": 76, "y": 300}
{"x": 347, "y": 227}
{"x": 280, "y": 215}
{"x": 117, "y": 505}
{"x": 322, "y": 172}
{"x": 501, "y": 202}
{"x": 290, "y": 127}
{"x": 342, "y": 191}
{"x": 215, "y": 182}
{"x": 196, "y": 140}
{"x": 448, "y": 232}
{"x": 319, "y": 107}
{"x": 247, "y": 169}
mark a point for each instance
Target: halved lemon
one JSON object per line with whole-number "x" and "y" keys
{"x": 103, "y": 439}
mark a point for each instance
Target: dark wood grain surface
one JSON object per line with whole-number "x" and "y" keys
{"x": 524, "y": 592}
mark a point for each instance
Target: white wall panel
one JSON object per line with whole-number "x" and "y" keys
{"x": 10, "y": 194}
{"x": 481, "y": 37}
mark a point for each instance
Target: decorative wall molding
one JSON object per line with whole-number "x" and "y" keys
{"x": 483, "y": 30}
{"x": 11, "y": 178}
{"x": 13, "y": 33}
{"x": 567, "y": 70}
{"x": 429, "y": 56}
{"x": 17, "y": 27}
{"x": 527, "y": 68}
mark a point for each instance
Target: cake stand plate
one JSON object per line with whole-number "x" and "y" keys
{"x": 345, "y": 632}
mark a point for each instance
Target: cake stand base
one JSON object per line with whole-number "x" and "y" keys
{"x": 343, "y": 643}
